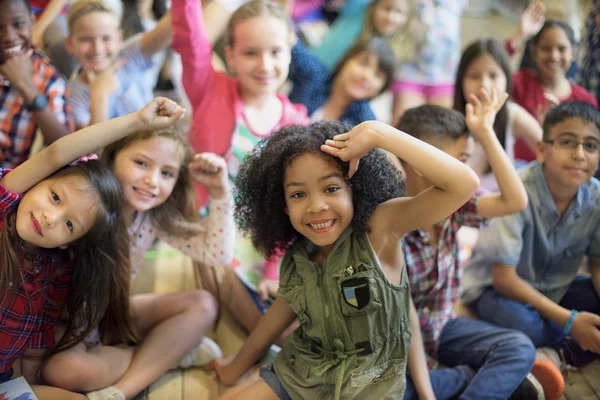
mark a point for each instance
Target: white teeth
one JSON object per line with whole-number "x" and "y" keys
{"x": 324, "y": 225}
{"x": 142, "y": 191}
{"x": 13, "y": 50}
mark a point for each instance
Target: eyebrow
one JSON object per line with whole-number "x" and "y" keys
{"x": 574, "y": 134}
{"x": 321, "y": 179}
{"x": 143, "y": 155}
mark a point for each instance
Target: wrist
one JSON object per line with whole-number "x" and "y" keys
{"x": 29, "y": 91}
{"x": 221, "y": 193}
{"x": 569, "y": 323}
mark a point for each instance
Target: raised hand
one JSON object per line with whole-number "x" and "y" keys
{"x": 351, "y": 146}
{"x": 210, "y": 170}
{"x": 532, "y": 20}
{"x": 481, "y": 111}
{"x": 160, "y": 113}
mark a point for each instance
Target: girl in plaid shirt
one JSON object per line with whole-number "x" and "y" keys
{"x": 50, "y": 227}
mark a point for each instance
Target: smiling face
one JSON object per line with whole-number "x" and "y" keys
{"x": 553, "y": 53}
{"x": 57, "y": 211}
{"x": 15, "y": 28}
{"x": 361, "y": 77}
{"x": 566, "y": 169}
{"x": 318, "y": 199}
{"x": 260, "y": 54}
{"x": 95, "y": 40}
{"x": 484, "y": 72}
{"x": 147, "y": 171}
{"x": 389, "y": 16}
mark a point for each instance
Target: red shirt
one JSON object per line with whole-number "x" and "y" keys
{"x": 529, "y": 94}
{"x": 28, "y": 320}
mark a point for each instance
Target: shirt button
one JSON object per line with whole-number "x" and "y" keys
{"x": 426, "y": 310}
{"x": 349, "y": 270}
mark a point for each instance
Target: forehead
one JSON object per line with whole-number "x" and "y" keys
{"x": 96, "y": 23}
{"x": 161, "y": 150}
{"x": 575, "y": 126}
{"x": 261, "y": 31}
{"x": 402, "y": 4}
{"x": 311, "y": 167}
{"x": 554, "y": 34}
{"x": 483, "y": 61}
{"x": 13, "y": 8}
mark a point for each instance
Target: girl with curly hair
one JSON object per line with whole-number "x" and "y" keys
{"x": 343, "y": 274}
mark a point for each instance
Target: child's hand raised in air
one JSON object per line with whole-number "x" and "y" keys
{"x": 351, "y": 146}
{"x": 481, "y": 112}
{"x": 532, "y": 20}
{"x": 160, "y": 113}
{"x": 210, "y": 170}
{"x": 223, "y": 368}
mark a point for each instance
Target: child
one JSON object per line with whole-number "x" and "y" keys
{"x": 33, "y": 93}
{"x": 537, "y": 91}
{"x": 152, "y": 168}
{"x": 428, "y": 78}
{"x": 342, "y": 275}
{"x": 62, "y": 240}
{"x": 484, "y": 64}
{"x": 365, "y": 71}
{"x": 433, "y": 263}
{"x": 393, "y": 20}
{"x": 523, "y": 274}
{"x": 110, "y": 81}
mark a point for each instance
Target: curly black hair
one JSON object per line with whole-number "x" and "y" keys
{"x": 260, "y": 199}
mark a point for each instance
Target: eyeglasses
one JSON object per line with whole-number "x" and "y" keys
{"x": 589, "y": 146}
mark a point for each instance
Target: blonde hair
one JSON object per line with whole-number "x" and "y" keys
{"x": 407, "y": 39}
{"x": 178, "y": 215}
{"x": 81, "y": 8}
{"x": 253, "y": 9}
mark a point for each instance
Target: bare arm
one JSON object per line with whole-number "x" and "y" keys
{"x": 158, "y": 38}
{"x": 417, "y": 364}
{"x": 216, "y": 17}
{"x": 159, "y": 113}
{"x": 453, "y": 182}
{"x": 512, "y": 197}
{"x": 526, "y": 126}
{"x": 531, "y": 22}
{"x": 49, "y": 14}
{"x": 30, "y": 363}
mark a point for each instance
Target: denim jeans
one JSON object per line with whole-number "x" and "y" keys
{"x": 491, "y": 306}
{"x": 501, "y": 359}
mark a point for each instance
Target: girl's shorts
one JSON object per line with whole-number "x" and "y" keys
{"x": 427, "y": 91}
{"x": 268, "y": 375}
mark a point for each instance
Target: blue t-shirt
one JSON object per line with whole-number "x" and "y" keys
{"x": 133, "y": 92}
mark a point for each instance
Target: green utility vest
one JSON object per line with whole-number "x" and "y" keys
{"x": 354, "y": 331}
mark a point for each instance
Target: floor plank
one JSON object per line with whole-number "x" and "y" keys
{"x": 577, "y": 388}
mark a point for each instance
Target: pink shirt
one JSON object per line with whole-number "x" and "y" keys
{"x": 214, "y": 95}
{"x": 527, "y": 91}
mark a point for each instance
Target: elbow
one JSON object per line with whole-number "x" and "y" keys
{"x": 471, "y": 182}
{"x": 502, "y": 278}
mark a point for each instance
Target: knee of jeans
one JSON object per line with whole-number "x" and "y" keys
{"x": 520, "y": 346}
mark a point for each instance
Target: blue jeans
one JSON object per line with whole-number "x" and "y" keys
{"x": 501, "y": 359}
{"x": 491, "y": 306}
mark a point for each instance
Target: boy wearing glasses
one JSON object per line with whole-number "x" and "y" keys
{"x": 524, "y": 270}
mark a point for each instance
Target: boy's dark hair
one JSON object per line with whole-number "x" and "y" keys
{"x": 494, "y": 49}
{"x": 555, "y": 23}
{"x": 571, "y": 109}
{"x": 433, "y": 124}
{"x": 386, "y": 60}
{"x": 260, "y": 205}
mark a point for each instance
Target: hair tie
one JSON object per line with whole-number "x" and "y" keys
{"x": 83, "y": 159}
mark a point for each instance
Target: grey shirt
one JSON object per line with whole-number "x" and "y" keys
{"x": 546, "y": 247}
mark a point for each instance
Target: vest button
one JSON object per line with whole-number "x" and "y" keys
{"x": 292, "y": 360}
{"x": 349, "y": 270}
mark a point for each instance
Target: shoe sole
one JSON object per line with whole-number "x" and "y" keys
{"x": 550, "y": 378}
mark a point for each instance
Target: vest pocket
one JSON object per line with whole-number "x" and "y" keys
{"x": 358, "y": 293}
{"x": 388, "y": 369}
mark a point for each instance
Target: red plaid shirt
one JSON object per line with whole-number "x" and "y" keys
{"x": 17, "y": 124}
{"x": 28, "y": 319}
{"x": 434, "y": 272}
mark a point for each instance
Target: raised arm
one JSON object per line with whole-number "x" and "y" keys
{"x": 158, "y": 38}
{"x": 159, "y": 113}
{"x": 49, "y": 14}
{"x": 453, "y": 182}
{"x": 191, "y": 42}
{"x": 526, "y": 126}
{"x": 480, "y": 121}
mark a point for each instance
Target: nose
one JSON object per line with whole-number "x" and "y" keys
{"x": 266, "y": 62}
{"x": 51, "y": 218}
{"x": 486, "y": 83}
{"x": 578, "y": 152}
{"x": 97, "y": 46}
{"x": 317, "y": 205}
{"x": 151, "y": 178}
{"x": 555, "y": 54}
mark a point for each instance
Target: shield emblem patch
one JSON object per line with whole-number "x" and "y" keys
{"x": 356, "y": 292}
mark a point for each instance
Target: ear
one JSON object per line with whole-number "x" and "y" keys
{"x": 229, "y": 59}
{"x": 540, "y": 147}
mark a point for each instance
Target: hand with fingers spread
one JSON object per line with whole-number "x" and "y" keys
{"x": 160, "y": 113}
{"x": 586, "y": 331}
{"x": 532, "y": 20}
{"x": 481, "y": 111}
{"x": 351, "y": 146}
{"x": 210, "y": 170}
{"x": 223, "y": 368}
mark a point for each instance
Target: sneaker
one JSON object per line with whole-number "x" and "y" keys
{"x": 201, "y": 355}
{"x": 529, "y": 389}
{"x": 546, "y": 370}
